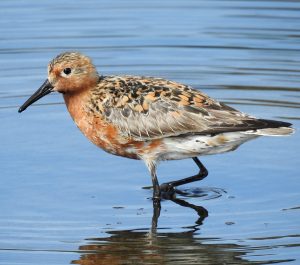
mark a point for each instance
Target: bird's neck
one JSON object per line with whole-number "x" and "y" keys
{"x": 75, "y": 103}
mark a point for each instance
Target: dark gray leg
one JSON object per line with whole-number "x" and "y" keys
{"x": 169, "y": 186}
{"x": 156, "y": 188}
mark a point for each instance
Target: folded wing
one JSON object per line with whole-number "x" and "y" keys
{"x": 152, "y": 108}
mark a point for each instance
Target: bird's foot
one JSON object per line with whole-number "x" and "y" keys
{"x": 156, "y": 195}
{"x": 156, "y": 201}
{"x": 167, "y": 187}
{"x": 167, "y": 190}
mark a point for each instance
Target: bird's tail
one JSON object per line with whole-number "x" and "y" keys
{"x": 273, "y": 128}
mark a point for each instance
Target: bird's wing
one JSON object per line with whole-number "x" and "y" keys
{"x": 150, "y": 108}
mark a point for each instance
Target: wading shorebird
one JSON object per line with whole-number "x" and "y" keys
{"x": 150, "y": 119}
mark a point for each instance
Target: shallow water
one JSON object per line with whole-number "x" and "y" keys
{"x": 65, "y": 201}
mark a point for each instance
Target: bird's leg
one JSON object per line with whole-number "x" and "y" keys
{"x": 169, "y": 186}
{"x": 156, "y": 188}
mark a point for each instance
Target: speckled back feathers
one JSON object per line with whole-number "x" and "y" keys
{"x": 147, "y": 108}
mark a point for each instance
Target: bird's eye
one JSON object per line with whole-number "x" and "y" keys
{"x": 67, "y": 71}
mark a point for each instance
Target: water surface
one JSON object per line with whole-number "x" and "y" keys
{"x": 65, "y": 201}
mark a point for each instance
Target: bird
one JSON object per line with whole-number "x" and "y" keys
{"x": 148, "y": 118}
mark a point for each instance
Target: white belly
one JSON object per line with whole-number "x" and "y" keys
{"x": 198, "y": 145}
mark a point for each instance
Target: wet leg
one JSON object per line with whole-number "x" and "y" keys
{"x": 169, "y": 186}
{"x": 151, "y": 165}
{"x": 156, "y": 188}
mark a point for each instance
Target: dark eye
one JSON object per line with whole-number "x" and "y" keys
{"x": 67, "y": 71}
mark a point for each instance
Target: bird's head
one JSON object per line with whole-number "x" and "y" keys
{"x": 69, "y": 72}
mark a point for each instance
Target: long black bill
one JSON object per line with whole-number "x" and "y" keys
{"x": 44, "y": 90}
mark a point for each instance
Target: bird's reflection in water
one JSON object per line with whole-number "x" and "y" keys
{"x": 155, "y": 247}
{"x": 201, "y": 211}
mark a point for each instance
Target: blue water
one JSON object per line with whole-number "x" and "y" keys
{"x": 65, "y": 201}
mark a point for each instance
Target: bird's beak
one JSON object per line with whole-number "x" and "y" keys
{"x": 44, "y": 90}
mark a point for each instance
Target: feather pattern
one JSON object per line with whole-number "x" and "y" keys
{"x": 147, "y": 108}
{"x": 148, "y": 118}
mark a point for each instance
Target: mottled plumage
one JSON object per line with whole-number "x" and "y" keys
{"x": 147, "y": 108}
{"x": 149, "y": 118}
